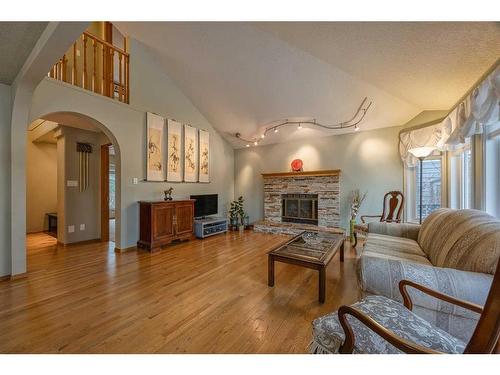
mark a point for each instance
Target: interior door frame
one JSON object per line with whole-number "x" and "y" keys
{"x": 105, "y": 191}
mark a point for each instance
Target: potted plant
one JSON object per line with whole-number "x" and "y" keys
{"x": 237, "y": 214}
{"x": 356, "y": 199}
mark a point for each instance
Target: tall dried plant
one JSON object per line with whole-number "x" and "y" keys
{"x": 356, "y": 200}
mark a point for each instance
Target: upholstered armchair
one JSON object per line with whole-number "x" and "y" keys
{"x": 379, "y": 325}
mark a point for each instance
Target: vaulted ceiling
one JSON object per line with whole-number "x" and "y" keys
{"x": 17, "y": 39}
{"x": 242, "y": 76}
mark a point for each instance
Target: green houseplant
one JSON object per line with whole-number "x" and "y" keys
{"x": 237, "y": 213}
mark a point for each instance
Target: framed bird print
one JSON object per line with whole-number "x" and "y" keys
{"x": 155, "y": 167}
{"x": 190, "y": 154}
{"x": 174, "y": 160}
{"x": 204, "y": 152}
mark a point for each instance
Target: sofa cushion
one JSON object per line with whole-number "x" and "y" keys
{"x": 468, "y": 240}
{"x": 396, "y": 248}
{"x": 406, "y": 230}
{"x": 328, "y": 334}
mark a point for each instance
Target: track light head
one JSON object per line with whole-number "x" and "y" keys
{"x": 356, "y": 128}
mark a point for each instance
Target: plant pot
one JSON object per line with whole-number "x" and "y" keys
{"x": 241, "y": 228}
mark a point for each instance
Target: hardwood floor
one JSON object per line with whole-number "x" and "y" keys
{"x": 201, "y": 296}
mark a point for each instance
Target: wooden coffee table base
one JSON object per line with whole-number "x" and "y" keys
{"x": 320, "y": 268}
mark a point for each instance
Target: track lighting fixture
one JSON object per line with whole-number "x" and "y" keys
{"x": 359, "y": 115}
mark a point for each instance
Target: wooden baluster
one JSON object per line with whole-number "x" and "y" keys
{"x": 120, "y": 71}
{"x": 94, "y": 68}
{"x": 64, "y": 68}
{"x": 104, "y": 80}
{"x": 59, "y": 70}
{"x": 111, "y": 73}
{"x": 74, "y": 79}
{"x": 84, "y": 76}
{"x": 127, "y": 79}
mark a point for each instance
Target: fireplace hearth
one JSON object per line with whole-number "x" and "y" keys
{"x": 299, "y": 208}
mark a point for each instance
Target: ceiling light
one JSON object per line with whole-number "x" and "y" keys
{"x": 300, "y": 126}
{"x": 275, "y": 130}
{"x": 263, "y": 136}
{"x": 255, "y": 143}
{"x": 248, "y": 145}
{"x": 356, "y": 128}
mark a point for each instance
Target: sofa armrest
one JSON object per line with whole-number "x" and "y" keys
{"x": 405, "y": 230}
{"x": 382, "y": 276}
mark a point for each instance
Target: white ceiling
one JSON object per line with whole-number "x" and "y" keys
{"x": 17, "y": 39}
{"x": 429, "y": 64}
{"x": 242, "y": 76}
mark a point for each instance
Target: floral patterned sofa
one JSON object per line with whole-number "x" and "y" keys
{"x": 454, "y": 252}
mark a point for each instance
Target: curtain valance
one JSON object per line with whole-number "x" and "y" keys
{"x": 479, "y": 109}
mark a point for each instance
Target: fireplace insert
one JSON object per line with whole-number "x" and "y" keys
{"x": 299, "y": 208}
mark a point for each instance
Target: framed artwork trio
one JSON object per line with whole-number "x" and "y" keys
{"x": 176, "y": 152}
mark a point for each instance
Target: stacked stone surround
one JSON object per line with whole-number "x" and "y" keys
{"x": 327, "y": 187}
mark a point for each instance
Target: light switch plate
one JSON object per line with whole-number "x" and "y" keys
{"x": 71, "y": 229}
{"x": 135, "y": 180}
{"x": 82, "y": 226}
{"x": 72, "y": 183}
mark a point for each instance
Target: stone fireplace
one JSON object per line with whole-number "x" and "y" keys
{"x": 295, "y": 201}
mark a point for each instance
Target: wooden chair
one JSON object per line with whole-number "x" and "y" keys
{"x": 485, "y": 338}
{"x": 391, "y": 213}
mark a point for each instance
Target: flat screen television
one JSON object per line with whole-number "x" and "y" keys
{"x": 205, "y": 205}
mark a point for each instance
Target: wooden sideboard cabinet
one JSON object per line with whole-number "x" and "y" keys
{"x": 162, "y": 222}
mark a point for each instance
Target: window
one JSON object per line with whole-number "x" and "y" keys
{"x": 492, "y": 169}
{"x": 431, "y": 188}
{"x": 461, "y": 177}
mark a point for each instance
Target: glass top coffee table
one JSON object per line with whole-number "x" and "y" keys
{"x": 311, "y": 250}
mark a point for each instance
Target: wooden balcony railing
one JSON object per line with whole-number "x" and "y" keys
{"x": 95, "y": 65}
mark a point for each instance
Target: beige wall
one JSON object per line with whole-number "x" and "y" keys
{"x": 76, "y": 207}
{"x": 5, "y": 114}
{"x": 369, "y": 160}
{"x": 41, "y": 184}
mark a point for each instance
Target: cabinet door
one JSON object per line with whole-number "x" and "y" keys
{"x": 184, "y": 213}
{"x": 163, "y": 222}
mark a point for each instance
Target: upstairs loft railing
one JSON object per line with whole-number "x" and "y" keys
{"x": 96, "y": 65}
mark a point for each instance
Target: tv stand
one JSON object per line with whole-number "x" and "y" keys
{"x": 209, "y": 226}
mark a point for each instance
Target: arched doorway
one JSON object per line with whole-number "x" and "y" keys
{"x": 83, "y": 180}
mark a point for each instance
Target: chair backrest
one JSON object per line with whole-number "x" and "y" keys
{"x": 468, "y": 240}
{"x": 393, "y": 206}
{"x": 485, "y": 338}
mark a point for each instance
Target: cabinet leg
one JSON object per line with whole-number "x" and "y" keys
{"x": 342, "y": 251}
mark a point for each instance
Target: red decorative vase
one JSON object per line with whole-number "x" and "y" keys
{"x": 297, "y": 165}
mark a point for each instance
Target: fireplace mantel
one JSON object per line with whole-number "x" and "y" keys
{"x": 331, "y": 172}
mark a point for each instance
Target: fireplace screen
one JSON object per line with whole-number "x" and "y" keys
{"x": 299, "y": 208}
